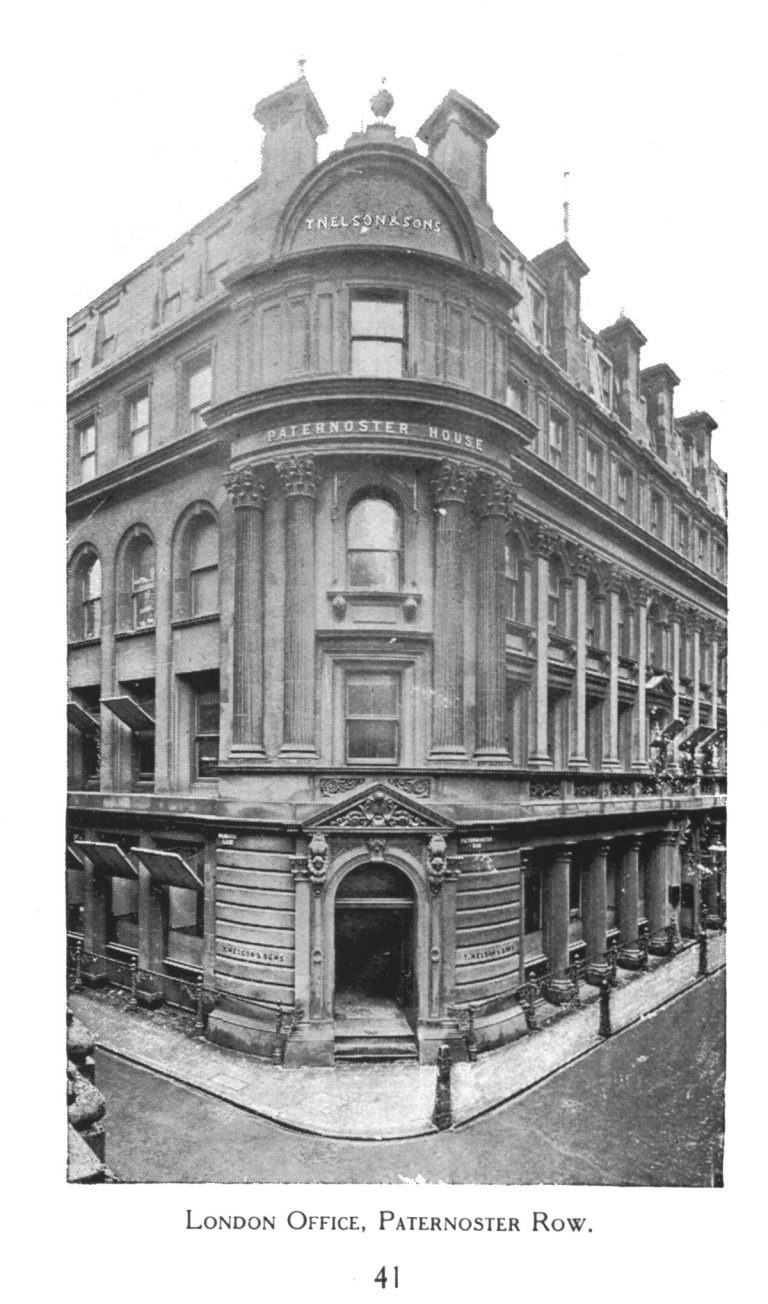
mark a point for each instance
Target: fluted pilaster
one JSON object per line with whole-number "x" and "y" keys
{"x": 298, "y": 474}
{"x": 247, "y": 494}
{"x": 495, "y": 498}
{"x": 450, "y": 487}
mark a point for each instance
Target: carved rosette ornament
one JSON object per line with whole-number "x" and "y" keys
{"x": 244, "y": 487}
{"x": 438, "y": 861}
{"x": 496, "y": 496}
{"x": 452, "y": 482}
{"x": 317, "y": 861}
{"x": 299, "y": 475}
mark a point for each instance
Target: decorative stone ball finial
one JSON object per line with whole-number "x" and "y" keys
{"x": 381, "y": 103}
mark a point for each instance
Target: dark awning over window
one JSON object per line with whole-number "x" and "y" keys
{"x": 659, "y": 684}
{"x": 168, "y": 867}
{"x": 128, "y": 710}
{"x": 674, "y": 728}
{"x": 701, "y": 734}
{"x": 80, "y": 718}
{"x": 74, "y": 857}
{"x": 108, "y": 858}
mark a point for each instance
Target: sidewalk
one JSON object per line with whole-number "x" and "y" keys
{"x": 379, "y": 1101}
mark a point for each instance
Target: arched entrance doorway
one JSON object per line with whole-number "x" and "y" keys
{"x": 374, "y": 989}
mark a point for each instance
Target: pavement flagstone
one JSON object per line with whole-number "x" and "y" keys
{"x": 379, "y": 1101}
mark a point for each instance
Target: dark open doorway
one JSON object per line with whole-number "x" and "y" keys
{"x": 374, "y": 989}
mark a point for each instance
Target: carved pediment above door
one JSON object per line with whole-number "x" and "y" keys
{"x": 378, "y": 807}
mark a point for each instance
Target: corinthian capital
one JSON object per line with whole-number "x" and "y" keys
{"x": 496, "y": 495}
{"x": 298, "y": 474}
{"x": 244, "y": 487}
{"x": 452, "y": 482}
{"x": 544, "y": 541}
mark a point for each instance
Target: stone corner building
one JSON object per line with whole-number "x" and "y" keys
{"x": 396, "y": 605}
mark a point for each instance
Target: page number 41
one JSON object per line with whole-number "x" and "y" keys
{"x": 384, "y": 1281}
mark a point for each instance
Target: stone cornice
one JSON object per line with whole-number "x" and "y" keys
{"x": 145, "y": 472}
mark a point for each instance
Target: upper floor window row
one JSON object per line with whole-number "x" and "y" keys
{"x": 195, "y": 577}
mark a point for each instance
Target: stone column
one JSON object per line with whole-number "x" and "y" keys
{"x": 153, "y": 931}
{"x": 657, "y": 904}
{"x": 696, "y": 687}
{"x": 247, "y": 495}
{"x": 578, "y": 758}
{"x": 299, "y": 476}
{"x": 108, "y": 721}
{"x": 543, "y": 546}
{"x": 611, "y": 740}
{"x": 714, "y": 672}
{"x": 629, "y": 891}
{"x": 163, "y": 665}
{"x": 450, "y": 487}
{"x": 95, "y": 898}
{"x": 495, "y": 499}
{"x": 639, "y": 714}
{"x": 557, "y": 901}
{"x": 677, "y": 622}
{"x": 595, "y": 902}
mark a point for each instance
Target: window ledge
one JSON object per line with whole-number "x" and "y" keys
{"x": 183, "y": 622}
{"x": 340, "y": 599}
{"x": 75, "y": 643}
{"x": 134, "y": 633}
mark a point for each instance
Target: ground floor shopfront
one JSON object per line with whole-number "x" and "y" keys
{"x": 374, "y": 926}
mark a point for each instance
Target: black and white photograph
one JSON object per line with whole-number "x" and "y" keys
{"x": 402, "y": 391}
{"x": 397, "y": 685}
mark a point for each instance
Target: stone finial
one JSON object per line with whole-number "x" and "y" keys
{"x": 381, "y": 103}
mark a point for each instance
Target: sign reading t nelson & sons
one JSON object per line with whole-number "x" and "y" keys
{"x": 364, "y": 222}
{"x": 371, "y": 431}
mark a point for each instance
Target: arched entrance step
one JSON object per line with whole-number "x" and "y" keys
{"x": 374, "y": 968}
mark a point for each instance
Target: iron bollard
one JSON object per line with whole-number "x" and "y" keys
{"x": 443, "y": 1117}
{"x": 278, "y": 1050}
{"x": 134, "y": 982}
{"x": 702, "y": 952}
{"x": 529, "y": 1009}
{"x": 199, "y": 1010}
{"x": 471, "y": 1039}
{"x": 78, "y": 979}
{"x": 613, "y": 961}
{"x": 605, "y": 1009}
{"x": 671, "y": 931}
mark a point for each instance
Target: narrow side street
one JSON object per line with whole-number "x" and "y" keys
{"x": 643, "y": 1109}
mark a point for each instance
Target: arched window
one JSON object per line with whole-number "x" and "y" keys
{"x": 657, "y": 638}
{"x": 373, "y": 544}
{"x": 626, "y": 631}
{"x": 557, "y": 612}
{"x": 136, "y": 581}
{"x": 85, "y": 595}
{"x": 512, "y": 578}
{"x": 142, "y": 566}
{"x": 594, "y": 613}
{"x": 203, "y": 566}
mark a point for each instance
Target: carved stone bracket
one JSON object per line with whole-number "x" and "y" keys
{"x": 545, "y": 541}
{"x": 244, "y": 487}
{"x": 583, "y": 560}
{"x": 377, "y": 848}
{"x": 317, "y": 861}
{"x": 299, "y": 475}
{"x": 438, "y": 861}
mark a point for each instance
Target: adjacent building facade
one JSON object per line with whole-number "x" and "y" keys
{"x": 396, "y": 610}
